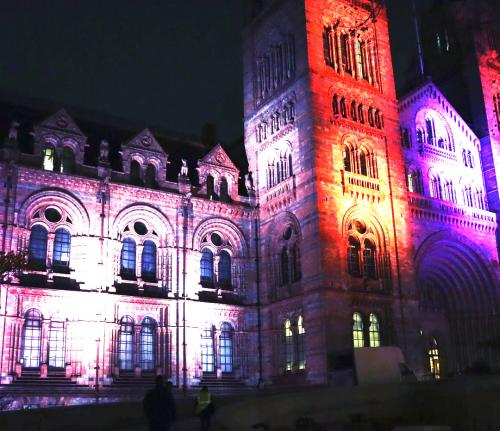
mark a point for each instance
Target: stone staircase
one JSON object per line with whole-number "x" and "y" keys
{"x": 227, "y": 382}
{"x": 31, "y": 380}
{"x": 128, "y": 379}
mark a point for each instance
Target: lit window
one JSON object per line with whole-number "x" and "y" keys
{"x": 148, "y": 264}
{"x": 433, "y": 355}
{"x": 374, "y": 331}
{"x": 127, "y": 259}
{"x": 357, "y": 330}
{"x": 207, "y": 351}
{"x": 206, "y": 266}
{"x": 48, "y": 158}
{"x": 38, "y": 247}
{"x": 57, "y": 348}
{"x": 147, "y": 347}
{"x": 224, "y": 269}
{"x": 62, "y": 249}
{"x": 301, "y": 333}
{"x": 289, "y": 357}
{"x": 126, "y": 344}
{"x": 32, "y": 336}
{"x": 226, "y": 348}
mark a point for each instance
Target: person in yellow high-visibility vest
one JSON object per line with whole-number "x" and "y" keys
{"x": 204, "y": 408}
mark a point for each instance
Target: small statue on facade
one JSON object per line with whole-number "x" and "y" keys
{"x": 184, "y": 168}
{"x": 249, "y": 182}
{"x": 104, "y": 151}
{"x": 13, "y": 130}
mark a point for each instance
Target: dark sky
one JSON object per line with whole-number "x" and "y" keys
{"x": 174, "y": 64}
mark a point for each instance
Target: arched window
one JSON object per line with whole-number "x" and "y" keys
{"x": 285, "y": 268}
{"x": 361, "y": 114}
{"x": 38, "y": 247}
{"x": 433, "y": 355}
{"x": 347, "y": 159}
{"x": 429, "y": 126}
{"x": 68, "y": 161}
{"x": 62, "y": 250}
{"x": 226, "y": 348}
{"x": 370, "y": 268}
{"x": 301, "y": 353}
{"x": 151, "y": 177}
{"x": 414, "y": 182}
{"x": 343, "y": 108}
{"x": 357, "y": 330}
{"x": 345, "y": 53}
{"x": 57, "y": 345}
{"x": 420, "y": 136}
{"x": 470, "y": 159}
{"x": 32, "y": 337}
{"x": 378, "y": 119}
{"x": 49, "y": 156}
{"x": 148, "y": 264}
{"x": 363, "y": 165}
{"x": 436, "y": 191}
{"x": 207, "y": 350}
{"x": 127, "y": 259}
{"x": 126, "y": 344}
{"x": 206, "y": 266}
{"x": 224, "y": 269}
{"x": 353, "y": 257}
{"x": 353, "y": 110}
{"x": 289, "y": 356}
{"x": 224, "y": 190}
{"x": 147, "y": 344}
{"x": 464, "y": 158}
{"x": 371, "y": 119}
{"x": 210, "y": 187}
{"x": 468, "y": 198}
{"x": 335, "y": 104}
{"x": 449, "y": 190}
{"x": 295, "y": 267}
{"x": 135, "y": 173}
{"x": 374, "y": 331}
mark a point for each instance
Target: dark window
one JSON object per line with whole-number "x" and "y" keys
{"x": 62, "y": 249}
{"x": 148, "y": 264}
{"x": 370, "y": 268}
{"x": 361, "y": 114}
{"x": 224, "y": 269}
{"x": 224, "y": 190}
{"x": 38, "y": 247}
{"x": 335, "y": 105}
{"x": 429, "y": 125}
{"x": 126, "y": 344}
{"x": 135, "y": 173}
{"x": 68, "y": 161}
{"x": 347, "y": 159}
{"x": 353, "y": 110}
{"x": 226, "y": 348}
{"x": 32, "y": 337}
{"x": 211, "y": 188}
{"x": 345, "y": 51}
{"x": 127, "y": 259}
{"x": 363, "y": 169}
{"x": 207, "y": 351}
{"x": 378, "y": 119}
{"x": 285, "y": 276}
{"x": 371, "y": 118}
{"x": 206, "y": 266}
{"x": 343, "y": 108}
{"x": 296, "y": 272}
{"x": 353, "y": 257}
{"x": 151, "y": 177}
{"x": 147, "y": 347}
{"x": 57, "y": 345}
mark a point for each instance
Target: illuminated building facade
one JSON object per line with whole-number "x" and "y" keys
{"x": 365, "y": 223}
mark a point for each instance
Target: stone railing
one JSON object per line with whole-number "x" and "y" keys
{"x": 285, "y": 187}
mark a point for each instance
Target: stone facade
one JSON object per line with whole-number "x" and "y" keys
{"x": 364, "y": 223}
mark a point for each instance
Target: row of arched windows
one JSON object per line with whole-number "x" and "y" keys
{"x": 128, "y": 260}
{"x": 360, "y": 161}
{"x": 349, "y": 53}
{"x": 279, "y": 119}
{"x": 433, "y": 132}
{"x": 445, "y": 190}
{"x": 279, "y": 168}
{"x": 53, "y": 161}
{"x": 294, "y": 348}
{"x": 127, "y": 343}
{"x": 136, "y": 177}
{"x": 37, "y": 258}
{"x": 225, "y": 349}
{"x": 356, "y": 112}
{"x": 208, "y": 278}
{"x": 362, "y": 253}
{"x": 365, "y": 335}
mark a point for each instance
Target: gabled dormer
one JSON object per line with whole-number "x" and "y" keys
{"x": 60, "y": 143}
{"x": 218, "y": 175}
{"x": 144, "y": 160}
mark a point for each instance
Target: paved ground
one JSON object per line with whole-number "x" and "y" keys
{"x": 192, "y": 424}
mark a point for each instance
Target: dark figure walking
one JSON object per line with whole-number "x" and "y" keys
{"x": 204, "y": 408}
{"x": 159, "y": 406}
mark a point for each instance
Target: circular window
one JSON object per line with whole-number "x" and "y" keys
{"x": 288, "y": 233}
{"x": 52, "y": 215}
{"x": 216, "y": 239}
{"x": 140, "y": 228}
{"x": 360, "y": 226}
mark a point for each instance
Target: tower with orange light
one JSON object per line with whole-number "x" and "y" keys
{"x": 323, "y": 144}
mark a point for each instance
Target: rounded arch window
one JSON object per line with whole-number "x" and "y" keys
{"x": 374, "y": 331}
{"x": 147, "y": 343}
{"x": 32, "y": 337}
{"x": 357, "y": 330}
{"x": 226, "y": 348}
{"x": 126, "y": 343}
{"x": 287, "y": 234}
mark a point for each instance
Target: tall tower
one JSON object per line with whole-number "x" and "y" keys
{"x": 322, "y": 140}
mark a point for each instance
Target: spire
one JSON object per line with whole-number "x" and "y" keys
{"x": 419, "y": 42}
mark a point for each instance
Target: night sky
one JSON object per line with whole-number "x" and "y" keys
{"x": 170, "y": 64}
